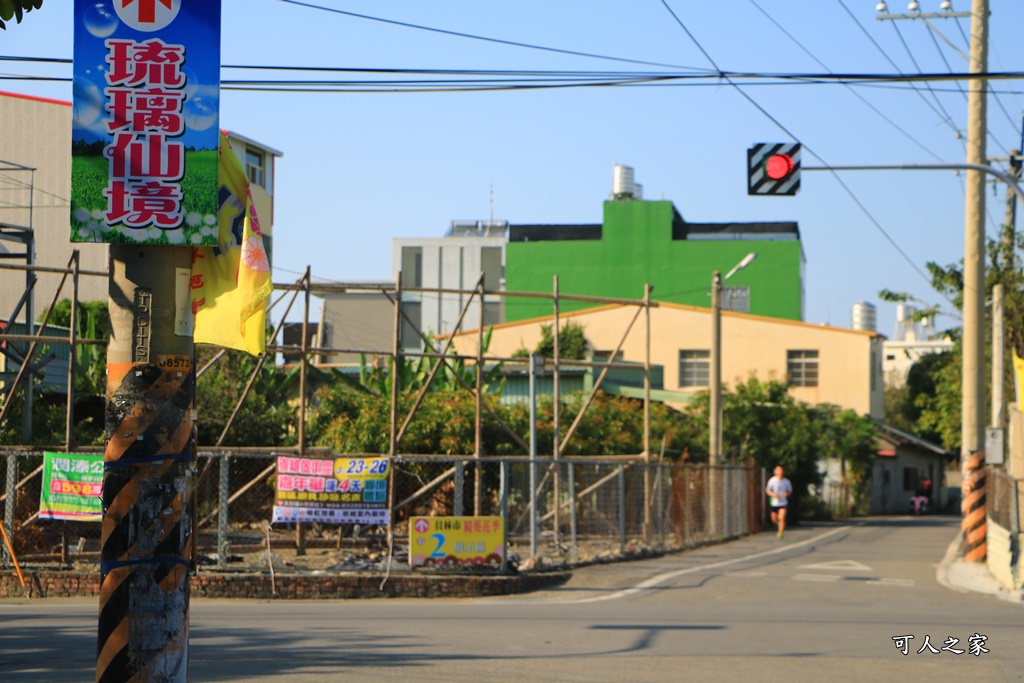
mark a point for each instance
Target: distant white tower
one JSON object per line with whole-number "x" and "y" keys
{"x": 906, "y": 329}
{"x": 864, "y": 317}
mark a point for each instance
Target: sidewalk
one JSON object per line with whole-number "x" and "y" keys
{"x": 971, "y": 577}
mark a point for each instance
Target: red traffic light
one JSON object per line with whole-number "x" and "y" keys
{"x": 773, "y": 168}
{"x": 779, "y": 166}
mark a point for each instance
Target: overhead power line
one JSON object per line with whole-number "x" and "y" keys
{"x": 471, "y": 36}
{"x": 849, "y": 86}
{"x": 785, "y": 130}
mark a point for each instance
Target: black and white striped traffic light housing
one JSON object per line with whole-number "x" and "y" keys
{"x": 773, "y": 168}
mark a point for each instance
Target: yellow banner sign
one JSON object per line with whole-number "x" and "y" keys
{"x": 457, "y": 542}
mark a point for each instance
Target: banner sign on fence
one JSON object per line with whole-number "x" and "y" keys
{"x": 456, "y": 542}
{"x": 72, "y": 487}
{"x": 145, "y": 121}
{"x": 349, "y": 490}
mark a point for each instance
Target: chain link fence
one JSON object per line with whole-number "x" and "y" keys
{"x": 557, "y": 513}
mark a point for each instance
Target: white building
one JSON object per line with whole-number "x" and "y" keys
{"x": 452, "y": 262}
{"x": 914, "y": 340}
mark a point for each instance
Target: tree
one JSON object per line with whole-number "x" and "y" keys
{"x": 572, "y": 342}
{"x": 849, "y": 438}
{"x": 266, "y": 417}
{"x": 763, "y": 422}
{"x": 936, "y": 400}
{"x": 16, "y": 9}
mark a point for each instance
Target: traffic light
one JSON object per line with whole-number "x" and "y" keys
{"x": 773, "y": 168}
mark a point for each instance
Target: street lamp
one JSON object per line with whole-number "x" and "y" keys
{"x": 715, "y": 418}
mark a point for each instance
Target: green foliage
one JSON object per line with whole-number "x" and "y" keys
{"x": 414, "y": 372}
{"x": 49, "y": 423}
{"x": 762, "y": 422}
{"x": 572, "y": 342}
{"x": 16, "y": 9}
{"x": 353, "y": 421}
{"x": 850, "y": 438}
{"x": 931, "y": 405}
{"x": 940, "y": 409}
{"x": 266, "y": 418}
{"x": 905, "y": 405}
{"x": 93, "y": 322}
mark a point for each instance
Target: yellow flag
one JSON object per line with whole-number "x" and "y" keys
{"x": 231, "y": 282}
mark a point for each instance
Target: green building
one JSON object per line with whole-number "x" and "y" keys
{"x": 649, "y": 242}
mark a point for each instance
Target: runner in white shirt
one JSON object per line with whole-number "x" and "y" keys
{"x": 779, "y": 490}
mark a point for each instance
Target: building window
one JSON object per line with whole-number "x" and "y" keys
{"x": 412, "y": 266}
{"x": 490, "y": 263}
{"x": 255, "y": 168}
{"x": 802, "y": 368}
{"x": 694, "y": 369}
{"x": 736, "y": 299}
{"x": 492, "y": 313}
{"x": 412, "y": 325}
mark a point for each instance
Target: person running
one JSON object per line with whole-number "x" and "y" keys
{"x": 779, "y": 490}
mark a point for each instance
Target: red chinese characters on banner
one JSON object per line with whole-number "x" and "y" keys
{"x": 145, "y": 98}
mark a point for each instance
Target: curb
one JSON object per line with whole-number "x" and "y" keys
{"x": 301, "y": 586}
{"x": 971, "y": 577}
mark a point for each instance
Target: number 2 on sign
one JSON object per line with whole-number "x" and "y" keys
{"x": 440, "y": 544}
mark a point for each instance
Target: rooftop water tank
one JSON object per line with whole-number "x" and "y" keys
{"x": 864, "y": 317}
{"x": 623, "y": 184}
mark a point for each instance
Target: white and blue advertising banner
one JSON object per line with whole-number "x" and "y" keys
{"x": 145, "y": 123}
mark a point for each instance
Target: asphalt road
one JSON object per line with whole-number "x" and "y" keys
{"x": 822, "y": 604}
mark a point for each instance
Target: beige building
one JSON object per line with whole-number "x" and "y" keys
{"x": 822, "y": 364}
{"x": 35, "y": 198}
{"x": 360, "y": 320}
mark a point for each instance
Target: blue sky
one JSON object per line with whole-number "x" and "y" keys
{"x": 361, "y": 168}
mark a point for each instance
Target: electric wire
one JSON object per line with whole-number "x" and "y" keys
{"x": 1017, "y": 127}
{"x": 884, "y": 54}
{"x": 785, "y": 130}
{"x": 850, "y": 87}
{"x": 938, "y": 103}
{"x": 460, "y": 34}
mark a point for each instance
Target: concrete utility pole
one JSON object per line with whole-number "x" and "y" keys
{"x": 972, "y": 454}
{"x": 149, "y": 462}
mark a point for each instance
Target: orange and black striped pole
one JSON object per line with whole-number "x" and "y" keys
{"x": 149, "y": 458}
{"x": 973, "y": 507}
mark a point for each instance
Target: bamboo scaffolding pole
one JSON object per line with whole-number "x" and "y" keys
{"x": 465, "y": 385}
{"x": 433, "y": 373}
{"x": 597, "y": 384}
{"x": 478, "y": 420}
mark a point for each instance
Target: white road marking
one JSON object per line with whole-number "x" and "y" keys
{"x": 892, "y": 582}
{"x": 815, "y": 577}
{"x": 746, "y": 575}
{"x": 839, "y": 565}
{"x": 667, "y": 576}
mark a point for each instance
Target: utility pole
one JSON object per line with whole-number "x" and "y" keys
{"x": 146, "y": 552}
{"x": 972, "y": 454}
